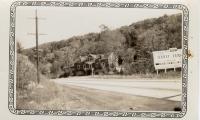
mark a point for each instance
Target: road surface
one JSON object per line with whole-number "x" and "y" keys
{"x": 162, "y": 89}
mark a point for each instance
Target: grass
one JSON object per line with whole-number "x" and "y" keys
{"x": 169, "y": 75}
{"x": 39, "y": 95}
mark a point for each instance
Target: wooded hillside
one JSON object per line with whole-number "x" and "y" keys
{"x": 134, "y": 43}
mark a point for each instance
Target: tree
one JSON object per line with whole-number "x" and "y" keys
{"x": 103, "y": 27}
{"x": 19, "y": 47}
{"x": 113, "y": 40}
{"x": 130, "y": 35}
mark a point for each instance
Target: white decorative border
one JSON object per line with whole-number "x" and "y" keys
{"x": 158, "y": 114}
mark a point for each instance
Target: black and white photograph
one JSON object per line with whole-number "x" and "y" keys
{"x": 100, "y": 59}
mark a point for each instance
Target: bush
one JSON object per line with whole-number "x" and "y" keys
{"x": 26, "y": 72}
{"x": 45, "y": 69}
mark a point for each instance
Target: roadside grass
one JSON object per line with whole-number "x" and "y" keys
{"x": 43, "y": 96}
{"x": 51, "y": 96}
{"x": 170, "y": 75}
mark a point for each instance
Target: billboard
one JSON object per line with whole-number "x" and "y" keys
{"x": 166, "y": 59}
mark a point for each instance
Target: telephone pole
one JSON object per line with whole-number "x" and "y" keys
{"x": 36, "y": 38}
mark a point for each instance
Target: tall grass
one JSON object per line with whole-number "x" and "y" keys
{"x": 26, "y": 72}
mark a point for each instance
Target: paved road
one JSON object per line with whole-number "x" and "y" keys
{"x": 163, "y": 89}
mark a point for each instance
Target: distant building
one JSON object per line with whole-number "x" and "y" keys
{"x": 91, "y": 64}
{"x": 95, "y": 64}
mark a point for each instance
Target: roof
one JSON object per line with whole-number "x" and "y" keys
{"x": 83, "y": 58}
{"x": 90, "y": 62}
{"x": 94, "y": 56}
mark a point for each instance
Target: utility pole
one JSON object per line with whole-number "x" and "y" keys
{"x": 36, "y": 37}
{"x": 37, "y": 50}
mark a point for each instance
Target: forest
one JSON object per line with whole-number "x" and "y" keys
{"x": 134, "y": 43}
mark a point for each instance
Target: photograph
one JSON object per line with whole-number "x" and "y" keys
{"x": 103, "y": 59}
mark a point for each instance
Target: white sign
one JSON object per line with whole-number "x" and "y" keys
{"x": 166, "y": 59}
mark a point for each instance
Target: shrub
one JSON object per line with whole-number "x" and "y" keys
{"x": 45, "y": 69}
{"x": 26, "y": 72}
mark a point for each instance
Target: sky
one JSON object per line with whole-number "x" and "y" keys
{"x": 59, "y": 23}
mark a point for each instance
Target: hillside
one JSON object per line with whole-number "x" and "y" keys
{"x": 134, "y": 43}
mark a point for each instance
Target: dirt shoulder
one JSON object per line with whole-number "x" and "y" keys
{"x": 51, "y": 96}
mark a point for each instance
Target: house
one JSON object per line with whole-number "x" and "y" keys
{"x": 92, "y": 63}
